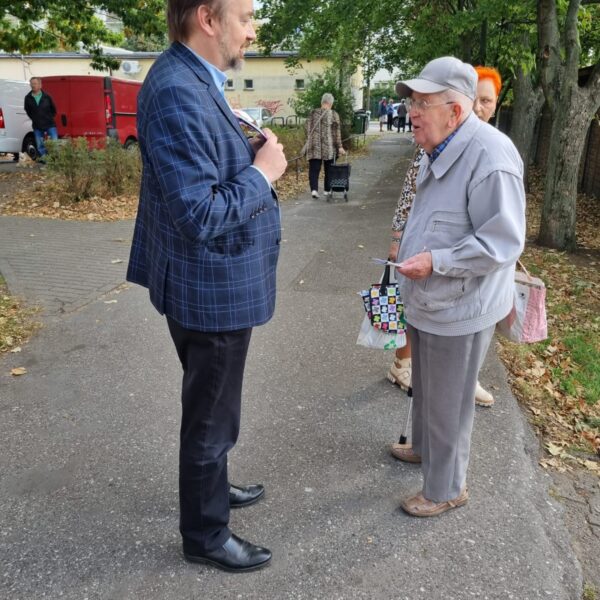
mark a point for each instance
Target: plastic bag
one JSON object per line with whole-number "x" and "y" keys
{"x": 370, "y": 337}
{"x": 526, "y": 322}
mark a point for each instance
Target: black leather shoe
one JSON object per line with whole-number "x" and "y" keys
{"x": 235, "y": 555}
{"x": 240, "y": 496}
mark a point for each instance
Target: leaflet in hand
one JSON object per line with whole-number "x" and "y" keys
{"x": 247, "y": 123}
{"x": 383, "y": 261}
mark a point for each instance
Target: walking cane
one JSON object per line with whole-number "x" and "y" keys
{"x": 402, "y": 439}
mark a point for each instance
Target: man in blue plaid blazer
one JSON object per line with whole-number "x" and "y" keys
{"x": 206, "y": 244}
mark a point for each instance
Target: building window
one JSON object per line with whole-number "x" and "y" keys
{"x": 229, "y": 84}
{"x": 248, "y": 84}
{"x": 299, "y": 84}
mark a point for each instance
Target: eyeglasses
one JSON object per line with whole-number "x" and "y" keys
{"x": 423, "y": 105}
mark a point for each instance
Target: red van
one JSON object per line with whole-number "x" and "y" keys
{"x": 94, "y": 107}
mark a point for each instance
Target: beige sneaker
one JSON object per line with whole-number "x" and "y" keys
{"x": 400, "y": 373}
{"x": 419, "y": 506}
{"x": 483, "y": 397}
{"x": 405, "y": 453}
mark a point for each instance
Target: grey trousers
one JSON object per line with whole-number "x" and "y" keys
{"x": 444, "y": 377}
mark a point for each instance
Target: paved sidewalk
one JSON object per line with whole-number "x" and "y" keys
{"x": 88, "y": 473}
{"x": 63, "y": 265}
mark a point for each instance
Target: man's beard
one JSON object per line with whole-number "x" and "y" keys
{"x": 231, "y": 61}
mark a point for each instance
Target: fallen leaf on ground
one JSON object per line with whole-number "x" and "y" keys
{"x": 18, "y": 371}
{"x": 554, "y": 449}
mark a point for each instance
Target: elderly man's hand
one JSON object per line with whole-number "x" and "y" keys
{"x": 416, "y": 267}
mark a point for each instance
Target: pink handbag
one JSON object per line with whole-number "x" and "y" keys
{"x": 526, "y": 322}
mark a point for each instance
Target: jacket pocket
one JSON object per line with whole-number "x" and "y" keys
{"x": 229, "y": 245}
{"x": 438, "y": 292}
{"x": 447, "y": 220}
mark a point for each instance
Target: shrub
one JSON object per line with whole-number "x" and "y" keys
{"x": 292, "y": 138}
{"x": 72, "y": 162}
{"x": 83, "y": 172}
{"x": 120, "y": 169}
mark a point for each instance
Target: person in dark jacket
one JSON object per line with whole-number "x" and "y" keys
{"x": 402, "y": 112}
{"x": 390, "y": 115}
{"x": 40, "y": 108}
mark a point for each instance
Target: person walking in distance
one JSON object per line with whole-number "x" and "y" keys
{"x": 402, "y": 112}
{"x": 323, "y": 143}
{"x": 382, "y": 113}
{"x": 206, "y": 244}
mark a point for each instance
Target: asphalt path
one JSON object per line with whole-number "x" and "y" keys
{"x": 89, "y": 444}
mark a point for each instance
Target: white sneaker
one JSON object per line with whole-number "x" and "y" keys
{"x": 483, "y": 397}
{"x": 400, "y": 373}
{"x": 314, "y": 194}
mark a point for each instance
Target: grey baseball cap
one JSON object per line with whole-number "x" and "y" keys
{"x": 439, "y": 75}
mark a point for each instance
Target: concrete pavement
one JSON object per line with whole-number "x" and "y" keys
{"x": 88, "y": 485}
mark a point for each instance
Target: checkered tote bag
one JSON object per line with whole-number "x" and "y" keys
{"x": 384, "y": 325}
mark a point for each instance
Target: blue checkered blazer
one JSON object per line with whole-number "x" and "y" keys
{"x": 207, "y": 233}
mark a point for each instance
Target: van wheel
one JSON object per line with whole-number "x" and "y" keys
{"x": 29, "y": 146}
{"x": 131, "y": 144}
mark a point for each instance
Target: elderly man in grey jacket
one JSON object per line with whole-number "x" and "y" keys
{"x": 462, "y": 238}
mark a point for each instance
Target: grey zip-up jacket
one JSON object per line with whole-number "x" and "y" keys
{"x": 469, "y": 212}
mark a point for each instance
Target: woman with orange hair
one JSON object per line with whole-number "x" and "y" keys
{"x": 488, "y": 90}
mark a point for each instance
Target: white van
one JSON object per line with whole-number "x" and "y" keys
{"x": 16, "y": 134}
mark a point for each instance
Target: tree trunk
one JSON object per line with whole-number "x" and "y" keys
{"x": 527, "y": 107}
{"x": 558, "y": 223}
{"x": 572, "y": 108}
{"x": 483, "y": 38}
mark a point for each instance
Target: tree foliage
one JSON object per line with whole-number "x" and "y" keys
{"x": 39, "y": 25}
{"x": 340, "y": 30}
{"x": 327, "y": 82}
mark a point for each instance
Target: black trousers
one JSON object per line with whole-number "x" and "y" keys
{"x": 401, "y": 123}
{"x": 314, "y": 169}
{"x": 213, "y": 370}
{"x": 390, "y": 122}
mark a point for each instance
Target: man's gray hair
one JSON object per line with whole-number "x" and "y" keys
{"x": 463, "y": 101}
{"x": 327, "y": 99}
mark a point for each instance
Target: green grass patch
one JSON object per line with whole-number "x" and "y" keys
{"x": 562, "y": 308}
{"x": 589, "y": 592}
{"x": 585, "y": 351}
